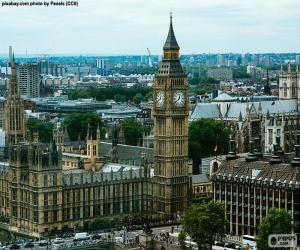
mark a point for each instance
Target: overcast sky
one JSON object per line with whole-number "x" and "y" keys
{"x": 130, "y": 26}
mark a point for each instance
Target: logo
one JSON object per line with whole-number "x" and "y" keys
{"x": 282, "y": 240}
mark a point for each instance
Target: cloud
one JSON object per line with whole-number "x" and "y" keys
{"x": 130, "y": 26}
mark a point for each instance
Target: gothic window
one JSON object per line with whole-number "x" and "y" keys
{"x": 270, "y": 136}
{"x": 54, "y": 179}
{"x": 45, "y": 180}
{"x": 285, "y": 89}
{"x": 45, "y": 199}
{"x": 293, "y": 90}
{"x": 94, "y": 150}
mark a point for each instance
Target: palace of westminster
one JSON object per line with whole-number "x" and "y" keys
{"x": 65, "y": 185}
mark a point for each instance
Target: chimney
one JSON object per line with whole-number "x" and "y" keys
{"x": 296, "y": 161}
{"x": 232, "y": 150}
{"x": 251, "y": 156}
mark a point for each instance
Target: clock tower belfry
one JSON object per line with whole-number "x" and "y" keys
{"x": 170, "y": 112}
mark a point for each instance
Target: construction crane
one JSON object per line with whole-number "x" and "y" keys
{"x": 150, "y": 62}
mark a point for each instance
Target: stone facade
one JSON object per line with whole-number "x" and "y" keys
{"x": 170, "y": 112}
{"x": 249, "y": 186}
{"x": 64, "y": 185}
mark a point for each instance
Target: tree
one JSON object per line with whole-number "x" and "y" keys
{"x": 105, "y": 223}
{"x": 137, "y": 98}
{"x": 133, "y": 131}
{"x": 77, "y": 124}
{"x": 181, "y": 240}
{"x": 207, "y": 137}
{"x": 120, "y": 98}
{"x": 277, "y": 221}
{"x": 45, "y": 130}
{"x": 205, "y": 223}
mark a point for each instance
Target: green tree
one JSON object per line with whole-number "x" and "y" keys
{"x": 100, "y": 223}
{"x": 120, "y": 98}
{"x": 77, "y": 124}
{"x": 205, "y": 223}
{"x": 277, "y": 221}
{"x": 45, "y": 130}
{"x": 207, "y": 137}
{"x": 181, "y": 240}
{"x": 137, "y": 98}
{"x": 133, "y": 131}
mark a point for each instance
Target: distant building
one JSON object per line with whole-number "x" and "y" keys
{"x": 103, "y": 66}
{"x": 29, "y": 81}
{"x": 220, "y": 73}
{"x": 297, "y": 59}
{"x": 289, "y": 84}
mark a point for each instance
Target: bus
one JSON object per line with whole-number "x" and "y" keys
{"x": 250, "y": 241}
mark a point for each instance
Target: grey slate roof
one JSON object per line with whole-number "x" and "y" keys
{"x": 200, "y": 178}
{"x": 280, "y": 106}
{"x": 206, "y": 110}
{"x": 258, "y": 170}
{"x": 126, "y": 152}
{"x": 171, "y": 42}
{"x": 224, "y": 97}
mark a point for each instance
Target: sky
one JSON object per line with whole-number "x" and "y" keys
{"x": 112, "y": 27}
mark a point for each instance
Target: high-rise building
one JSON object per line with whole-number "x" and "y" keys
{"x": 29, "y": 80}
{"x": 103, "y": 66}
{"x": 220, "y": 60}
{"x": 170, "y": 111}
{"x": 14, "y": 120}
{"x": 297, "y": 59}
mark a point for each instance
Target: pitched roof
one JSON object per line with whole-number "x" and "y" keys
{"x": 171, "y": 42}
{"x": 126, "y": 152}
{"x": 224, "y": 97}
{"x": 258, "y": 170}
{"x": 206, "y": 110}
{"x": 274, "y": 107}
{"x": 200, "y": 178}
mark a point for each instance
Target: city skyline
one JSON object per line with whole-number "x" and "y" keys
{"x": 129, "y": 27}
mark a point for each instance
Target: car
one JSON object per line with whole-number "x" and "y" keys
{"x": 219, "y": 243}
{"x": 43, "y": 243}
{"x": 229, "y": 245}
{"x": 96, "y": 237}
{"x": 58, "y": 241}
{"x": 15, "y": 246}
{"x": 29, "y": 245}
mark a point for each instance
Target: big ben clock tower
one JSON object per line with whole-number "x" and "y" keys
{"x": 170, "y": 112}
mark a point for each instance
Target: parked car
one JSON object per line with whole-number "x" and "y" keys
{"x": 229, "y": 245}
{"x": 15, "y": 246}
{"x": 43, "y": 243}
{"x": 219, "y": 243}
{"x": 58, "y": 241}
{"x": 29, "y": 245}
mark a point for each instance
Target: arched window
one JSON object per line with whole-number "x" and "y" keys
{"x": 294, "y": 88}
{"x": 285, "y": 90}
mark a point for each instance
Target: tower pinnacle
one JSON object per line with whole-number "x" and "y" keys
{"x": 171, "y": 42}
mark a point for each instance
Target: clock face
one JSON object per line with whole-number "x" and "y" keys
{"x": 179, "y": 98}
{"x": 160, "y": 98}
